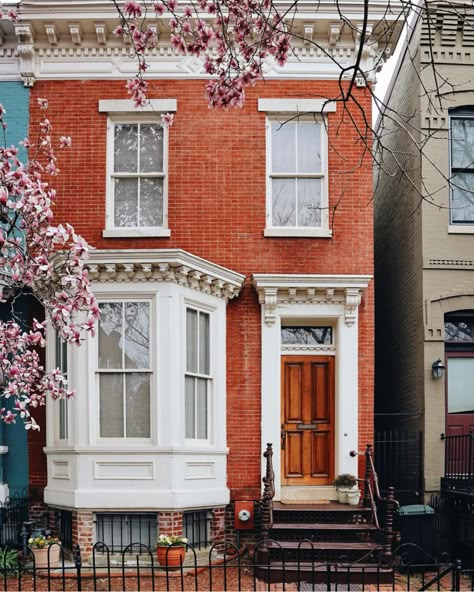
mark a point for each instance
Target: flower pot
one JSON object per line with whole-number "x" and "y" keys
{"x": 348, "y": 495}
{"x": 41, "y": 556}
{"x": 172, "y": 556}
{"x": 353, "y": 497}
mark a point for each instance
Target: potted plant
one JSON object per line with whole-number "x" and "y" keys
{"x": 46, "y": 550}
{"x": 347, "y": 490}
{"x": 171, "y": 549}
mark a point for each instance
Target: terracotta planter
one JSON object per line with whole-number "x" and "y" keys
{"x": 41, "y": 556}
{"x": 171, "y": 556}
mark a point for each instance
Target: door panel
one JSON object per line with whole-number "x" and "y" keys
{"x": 307, "y": 423}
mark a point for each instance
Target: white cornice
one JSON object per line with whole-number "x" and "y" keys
{"x": 165, "y": 265}
{"x": 310, "y": 289}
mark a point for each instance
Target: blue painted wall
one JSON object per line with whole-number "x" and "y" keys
{"x": 15, "y": 98}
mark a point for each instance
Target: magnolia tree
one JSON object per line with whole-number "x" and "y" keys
{"x": 44, "y": 260}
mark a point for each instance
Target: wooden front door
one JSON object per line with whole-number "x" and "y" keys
{"x": 307, "y": 423}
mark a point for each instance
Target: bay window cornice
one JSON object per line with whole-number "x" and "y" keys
{"x": 165, "y": 265}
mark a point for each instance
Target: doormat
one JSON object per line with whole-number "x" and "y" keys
{"x": 308, "y": 587}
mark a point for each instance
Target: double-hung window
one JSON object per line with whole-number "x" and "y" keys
{"x": 137, "y": 179}
{"x": 198, "y": 377}
{"x": 124, "y": 369}
{"x": 462, "y": 166}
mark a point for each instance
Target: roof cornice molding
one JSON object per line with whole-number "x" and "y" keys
{"x": 165, "y": 265}
{"x": 345, "y": 290}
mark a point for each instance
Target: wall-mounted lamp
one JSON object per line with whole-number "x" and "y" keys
{"x": 437, "y": 368}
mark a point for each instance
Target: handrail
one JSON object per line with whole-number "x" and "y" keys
{"x": 372, "y": 496}
{"x": 268, "y": 494}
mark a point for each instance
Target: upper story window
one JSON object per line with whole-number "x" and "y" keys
{"x": 462, "y": 165}
{"x": 137, "y": 180}
{"x": 137, "y": 168}
{"x": 297, "y": 174}
{"x": 124, "y": 369}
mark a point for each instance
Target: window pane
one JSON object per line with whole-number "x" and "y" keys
{"x": 137, "y": 402}
{"x": 110, "y": 335}
{"x": 283, "y": 202}
{"x": 306, "y": 335}
{"x": 63, "y": 422}
{"x": 204, "y": 363}
{"x": 462, "y": 143}
{"x": 201, "y": 408}
{"x": 189, "y": 406}
{"x": 125, "y": 202}
{"x": 309, "y": 147}
{"x": 309, "y": 202}
{"x": 111, "y": 405}
{"x": 459, "y": 331}
{"x": 151, "y": 201}
{"x": 125, "y": 148}
{"x": 460, "y": 385}
{"x": 137, "y": 335}
{"x": 151, "y": 148}
{"x": 191, "y": 340}
{"x": 462, "y": 206}
{"x": 283, "y": 147}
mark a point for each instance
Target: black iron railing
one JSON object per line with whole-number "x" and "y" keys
{"x": 224, "y": 568}
{"x": 458, "y": 461}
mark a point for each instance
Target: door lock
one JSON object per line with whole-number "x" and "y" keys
{"x": 283, "y": 436}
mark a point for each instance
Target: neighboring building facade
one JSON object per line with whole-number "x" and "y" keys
{"x": 233, "y": 268}
{"x": 424, "y": 248}
{"x": 14, "y": 96}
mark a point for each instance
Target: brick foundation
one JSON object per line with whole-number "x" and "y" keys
{"x": 83, "y": 532}
{"x": 170, "y": 523}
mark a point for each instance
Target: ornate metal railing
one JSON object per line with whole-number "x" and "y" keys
{"x": 459, "y": 461}
{"x": 374, "y": 500}
{"x": 266, "y": 503}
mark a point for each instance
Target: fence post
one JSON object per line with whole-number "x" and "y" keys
{"x": 457, "y": 575}
{"x": 368, "y": 476}
{"x": 78, "y": 565}
{"x": 24, "y": 539}
{"x": 390, "y": 503}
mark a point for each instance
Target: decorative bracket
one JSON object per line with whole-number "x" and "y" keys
{"x": 269, "y": 300}
{"x": 26, "y": 53}
{"x": 353, "y": 299}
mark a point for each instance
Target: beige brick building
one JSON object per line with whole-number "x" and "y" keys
{"x": 424, "y": 238}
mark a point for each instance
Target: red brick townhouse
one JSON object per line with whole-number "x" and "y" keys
{"x": 233, "y": 264}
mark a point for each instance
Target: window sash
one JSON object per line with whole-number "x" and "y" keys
{"x": 462, "y": 169}
{"x": 296, "y": 187}
{"x": 124, "y": 373}
{"x": 61, "y": 363}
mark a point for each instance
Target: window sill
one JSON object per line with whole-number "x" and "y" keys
{"x": 461, "y": 229}
{"x": 136, "y": 232}
{"x": 298, "y": 232}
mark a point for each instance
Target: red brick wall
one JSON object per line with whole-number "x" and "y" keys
{"x": 217, "y": 211}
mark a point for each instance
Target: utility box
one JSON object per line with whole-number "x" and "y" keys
{"x": 417, "y": 533}
{"x": 244, "y": 515}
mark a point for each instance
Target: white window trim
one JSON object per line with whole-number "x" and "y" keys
{"x": 151, "y": 298}
{"x": 464, "y": 226}
{"x": 322, "y": 231}
{"x": 123, "y": 111}
{"x": 201, "y": 307}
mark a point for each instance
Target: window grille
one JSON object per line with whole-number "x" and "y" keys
{"x": 197, "y": 527}
{"x": 117, "y": 531}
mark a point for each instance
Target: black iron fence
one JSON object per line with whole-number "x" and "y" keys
{"x": 14, "y": 512}
{"x": 222, "y": 567}
{"x": 398, "y": 460}
{"x": 458, "y": 461}
{"x": 454, "y": 526}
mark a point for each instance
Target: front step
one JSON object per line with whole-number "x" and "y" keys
{"x": 318, "y": 540}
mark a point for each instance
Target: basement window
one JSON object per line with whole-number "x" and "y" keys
{"x": 118, "y": 531}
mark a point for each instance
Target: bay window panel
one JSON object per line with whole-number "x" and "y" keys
{"x": 126, "y": 202}
{"x": 125, "y": 148}
{"x": 111, "y": 405}
{"x": 137, "y": 405}
{"x": 204, "y": 361}
{"x": 201, "y": 408}
{"x": 191, "y": 340}
{"x": 151, "y": 201}
{"x": 309, "y": 202}
{"x": 137, "y": 335}
{"x": 283, "y": 202}
{"x": 309, "y": 148}
{"x": 283, "y": 147}
{"x": 151, "y": 148}
{"x": 189, "y": 407}
{"x": 462, "y": 143}
{"x": 110, "y": 335}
